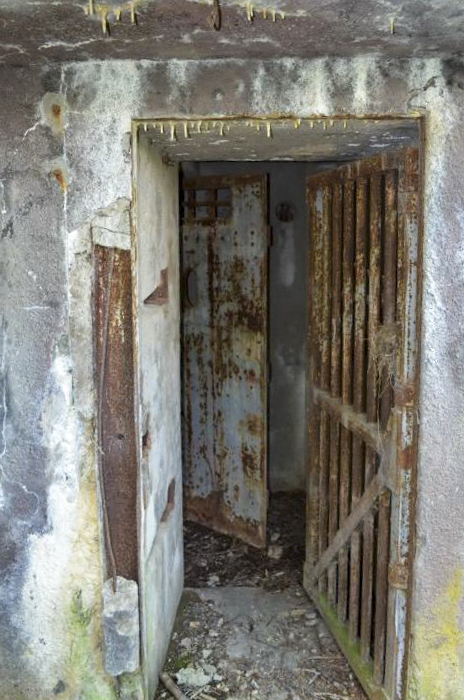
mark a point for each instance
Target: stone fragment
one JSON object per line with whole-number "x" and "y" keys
{"x": 121, "y": 626}
{"x": 275, "y": 551}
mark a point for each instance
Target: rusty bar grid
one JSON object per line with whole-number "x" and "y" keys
{"x": 363, "y": 428}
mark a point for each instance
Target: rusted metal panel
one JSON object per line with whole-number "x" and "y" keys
{"x": 374, "y": 407}
{"x": 115, "y": 382}
{"x": 225, "y": 355}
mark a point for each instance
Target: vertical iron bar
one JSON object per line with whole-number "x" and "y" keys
{"x": 325, "y": 343}
{"x": 347, "y": 385}
{"x": 335, "y": 378}
{"x": 316, "y": 205}
{"x": 375, "y": 214}
{"x": 359, "y": 382}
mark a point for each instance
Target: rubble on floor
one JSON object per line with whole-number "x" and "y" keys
{"x": 245, "y": 629}
{"x": 250, "y": 644}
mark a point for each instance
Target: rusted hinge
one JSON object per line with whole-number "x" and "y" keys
{"x": 398, "y": 575}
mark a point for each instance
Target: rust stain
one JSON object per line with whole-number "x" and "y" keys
{"x": 60, "y": 177}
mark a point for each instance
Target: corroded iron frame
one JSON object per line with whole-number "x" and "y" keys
{"x": 335, "y": 413}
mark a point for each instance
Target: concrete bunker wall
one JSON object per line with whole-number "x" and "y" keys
{"x": 52, "y": 574}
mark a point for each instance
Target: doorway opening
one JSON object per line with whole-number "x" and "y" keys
{"x": 287, "y": 258}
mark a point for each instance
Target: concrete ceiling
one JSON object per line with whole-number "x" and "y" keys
{"x": 36, "y": 30}
{"x": 327, "y": 140}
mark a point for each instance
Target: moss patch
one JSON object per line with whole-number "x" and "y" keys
{"x": 439, "y": 648}
{"x": 86, "y": 680}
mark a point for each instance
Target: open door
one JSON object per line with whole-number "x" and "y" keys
{"x": 224, "y": 329}
{"x": 362, "y": 410}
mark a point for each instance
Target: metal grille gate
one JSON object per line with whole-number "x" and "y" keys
{"x": 362, "y": 414}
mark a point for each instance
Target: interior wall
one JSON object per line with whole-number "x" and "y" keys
{"x": 49, "y": 504}
{"x": 287, "y": 315}
{"x": 156, "y": 250}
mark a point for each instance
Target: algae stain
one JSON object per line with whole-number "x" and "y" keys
{"x": 85, "y": 680}
{"x": 439, "y": 648}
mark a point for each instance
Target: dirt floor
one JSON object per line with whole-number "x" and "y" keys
{"x": 245, "y": 628}
{"x": 212, "y": 559}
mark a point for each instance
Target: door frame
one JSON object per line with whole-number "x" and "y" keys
{"x": 263, "y": 120}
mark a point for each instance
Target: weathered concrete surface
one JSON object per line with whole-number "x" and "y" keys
{"x": 177, "y": 29}
{"x": 50, "y": 530}
{"x": 49, "y": 550}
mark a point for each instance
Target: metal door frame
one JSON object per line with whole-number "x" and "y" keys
{"x": 331, "y": 416}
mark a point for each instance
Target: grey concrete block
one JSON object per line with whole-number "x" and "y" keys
{"x": 121, "y": 628}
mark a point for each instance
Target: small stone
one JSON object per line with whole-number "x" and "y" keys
{"x": 193, "y": 677}
{"x": 206, "y": 653}
{"x": 213, "y": 633}
{"x": 275, "y": 551}
{"x": 186, "y": 643}
{"x": 275, "y": 536}
{"x": 213, "y": 580}
{"x": 194, "y": 625}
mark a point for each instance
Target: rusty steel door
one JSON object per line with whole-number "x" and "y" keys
{"x": 362, "y": 410}
{"x": 224, "y": 289}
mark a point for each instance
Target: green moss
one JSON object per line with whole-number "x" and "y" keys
{"x": 182, "y": 662}
{"x": 86, "y": 680}
{"x": 350, "y": 648}
{"x": 439, "y": 648}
